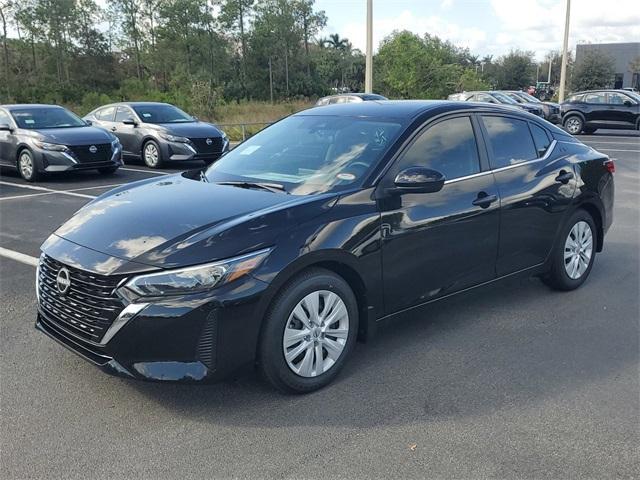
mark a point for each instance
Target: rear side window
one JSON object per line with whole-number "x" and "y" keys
{"x": 448, "y": 147}
{"x": 105, "y": 114}
{"x": 596, "y": 98}
{"x": 541, "y": 139}
{"x": 123, "y": 114}
{"x": 509, "y": 141}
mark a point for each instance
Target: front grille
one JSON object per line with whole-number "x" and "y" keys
{"x": 84, "y": 155}
{"x": 201, "y": 145}
{"x": 88, "y": 308}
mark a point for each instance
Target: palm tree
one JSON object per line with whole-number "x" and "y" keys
{"x": 338, "y": 43}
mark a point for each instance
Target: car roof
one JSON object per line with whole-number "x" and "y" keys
{"x": 399, "y": 109}
{"x": 16, "y": 106}
{"x": 618, "y": 90}
{"x": 137, "y": 104}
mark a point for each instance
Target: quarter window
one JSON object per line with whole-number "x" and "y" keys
{"x": 4, "y": 119}
{"x": 509, "y": 140}
{"x": 541, "y": 139}
{"x": 448, "y": 147}
{"x": 105, "y": 114}
{"x": 616, "y": 98}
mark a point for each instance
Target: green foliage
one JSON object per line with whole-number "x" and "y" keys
{"x": 594, "y": 70}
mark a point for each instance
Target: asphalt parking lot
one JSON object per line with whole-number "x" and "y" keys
{"x": 515, "y": 381}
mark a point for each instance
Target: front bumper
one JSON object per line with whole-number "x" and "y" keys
{"x": 53, "y": 161}
{"x": 179, "y": 151}
{"x": 183, "y": 339}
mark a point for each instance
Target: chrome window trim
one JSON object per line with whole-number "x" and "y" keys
{"x": 546, "y": 156}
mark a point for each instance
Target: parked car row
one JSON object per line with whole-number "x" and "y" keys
{"x": 547, "y": 110}
{"x": 38, "y": 139}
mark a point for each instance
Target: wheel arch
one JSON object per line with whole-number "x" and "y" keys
{"x": 571, "y": 113}
{"x": 596, "y": 213}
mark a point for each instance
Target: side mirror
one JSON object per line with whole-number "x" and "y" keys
{"x": 130, "y": 121}
{"x": 88, "y": 122}
{"x": 5, "y": 128}
{"x": 418, "y": 180}
{"x": 628, "y": 103}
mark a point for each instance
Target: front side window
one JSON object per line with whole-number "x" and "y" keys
{"x": 162, "y": 114}
{"x": 123, "y": 114}
{"x": 46, "y": 117}
{"x": 509, "y": 140}
{"x": 105, "y": 114}
{"x": 309, "y": 154}
{"x": 448, "y": 147}
{"x": 4, "y": 119}
{"x": 594, "y": 98}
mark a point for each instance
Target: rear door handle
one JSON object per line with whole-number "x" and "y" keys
{"x": 564, "y": 176}
{"x": 483, "y": 200}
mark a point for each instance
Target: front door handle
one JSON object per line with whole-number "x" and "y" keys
{"x": 564, "y": 177}
{"x": 483, "y": 200}
{"x": 113, "y": 129}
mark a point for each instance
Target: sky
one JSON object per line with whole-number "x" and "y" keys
{"x": 489, "y": 27}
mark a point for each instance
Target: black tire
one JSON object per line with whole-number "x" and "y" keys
{"x": 149, "y": 160}
{"x": 30, "y": 174}
{"x": 108, "y": 170}
{"x": 573, "y": 124}
{"x": 271, "y": 357}
{"x": 557, "y": 277}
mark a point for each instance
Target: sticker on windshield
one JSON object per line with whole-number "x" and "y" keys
{"x": 146, "y": 115}
{"x": 381, "y": 137}
{"x": 29, "y": 121}
{"x": 346, "y": 176}
{"x": 249, "y": 150}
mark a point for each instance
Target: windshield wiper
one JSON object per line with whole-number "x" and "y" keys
{"x": 270, "y": 187}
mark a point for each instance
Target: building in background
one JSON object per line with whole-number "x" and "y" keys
{"x": 626, "y": 56}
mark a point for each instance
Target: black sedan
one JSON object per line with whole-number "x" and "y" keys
{"x": 585, "y": 112}
{"x": 308, "y": 234}
{"x": 47, "y": 138}
{"x": 157, "y": 132}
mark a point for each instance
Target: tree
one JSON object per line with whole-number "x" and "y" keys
{"x": 593, "y": 70}
{"x": 516, "y": 70}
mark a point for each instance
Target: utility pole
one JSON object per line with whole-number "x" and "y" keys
{"x": 270, "y": 81}
{"x": 368, "y": 72}
{"x": 550, "y": 63}
{"x": 565, "y": 47}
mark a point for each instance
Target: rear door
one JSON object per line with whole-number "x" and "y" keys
{"x": 536, "y": 184}
{"x": 127, "y": 134}
{"x": 7, "y": 141}
{"x": 595, "y": 107}
{"x": 438, "y": 243}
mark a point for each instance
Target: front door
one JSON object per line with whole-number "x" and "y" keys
{"x": 6, "y": 141}
{"x": 438, "y": 243}
{"x": 621, "y": 110}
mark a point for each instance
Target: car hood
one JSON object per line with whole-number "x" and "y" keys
{"x": 74, "y": 135}
{"x": 178, "y": 221}
{"x": 191, "y": 129}
{"x": 531, "y": 106}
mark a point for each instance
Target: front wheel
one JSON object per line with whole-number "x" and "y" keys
{"x": 573, "y": 124}
{"x": 573, "y": 257}
{"x": 27, "y": 166}
{"x": 309, "y": 332}
{"x": 152, "y": 155}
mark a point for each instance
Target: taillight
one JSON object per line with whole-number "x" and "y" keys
{"x": 610, "y": 166}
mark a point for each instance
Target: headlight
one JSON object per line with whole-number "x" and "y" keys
{"x": 50, "y": 146}
{"x": 115, "y": 143}
{"x": 195, "y": 279}
{"x": 173, "y": 138}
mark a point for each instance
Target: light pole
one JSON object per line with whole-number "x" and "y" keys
{"x": 565, "y": 46}
{"x": 368, "y": 72}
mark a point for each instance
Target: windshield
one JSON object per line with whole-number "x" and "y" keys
{"x": 528, "y": 97}
{"x": 309, "y": 154}
{"x": 515, "y": 97}
{"x": 503, "y": 98}
{"x": 161, "y": 114}
{"x": 35, "y": 118}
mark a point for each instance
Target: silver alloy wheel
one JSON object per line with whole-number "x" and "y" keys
{"x": 316, "y": 333}
{"x": 151, "y": 154}
{"x": 578, "y": 249}
{"x": 25, "y": 162}
{"x": 573, "y": 125}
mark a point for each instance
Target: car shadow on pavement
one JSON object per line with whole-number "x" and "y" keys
{"x": 485, "y": 351}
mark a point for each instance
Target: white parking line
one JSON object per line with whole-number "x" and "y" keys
{"x": 635, "y": 144}
{"x": 144, "y": 171}
{"x": 618, "y": 150}
{"x": 28, "y": 195}
{"x": 19, "y": 257}
{"x": 43, "y": 189}
{"x": 95, "y": 187}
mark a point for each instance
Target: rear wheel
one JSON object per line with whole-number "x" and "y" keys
{"x": 27, "y": 166}
{"x": 573, "y": 124}
{"x": 108, "y": 170}
{"x": 309, "y": 332}
{"x": 574, "y": 255}
{"x": 152, "y": 155}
